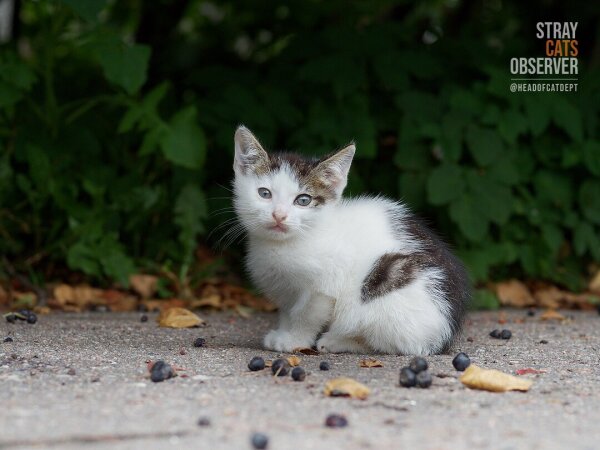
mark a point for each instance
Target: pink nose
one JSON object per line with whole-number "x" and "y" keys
{"x": 279, "y": 217}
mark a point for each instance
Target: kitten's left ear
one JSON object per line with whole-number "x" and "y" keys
{"x": 249, "y": 154}
{"x": 333, "y": 171}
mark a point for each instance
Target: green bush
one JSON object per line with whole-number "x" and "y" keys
{"x": 117, "y": 124}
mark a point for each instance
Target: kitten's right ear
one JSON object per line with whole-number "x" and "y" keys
{"x": 250, "y": 157}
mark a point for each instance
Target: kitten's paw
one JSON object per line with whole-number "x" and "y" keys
{"x": 339, "y": 344}
{"x": 284, "y": 341}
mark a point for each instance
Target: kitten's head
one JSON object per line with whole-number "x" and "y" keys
{"x": 279, "y": 195}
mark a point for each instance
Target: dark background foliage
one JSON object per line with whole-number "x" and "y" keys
{"x": 116, "y": 125}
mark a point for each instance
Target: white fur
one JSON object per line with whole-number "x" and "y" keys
{"x": 314, "y": 272}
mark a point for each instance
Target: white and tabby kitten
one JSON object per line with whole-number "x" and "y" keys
{"x": 351, "y": 275}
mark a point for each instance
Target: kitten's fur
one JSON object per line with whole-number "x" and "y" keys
{"x": 363, "y": 270}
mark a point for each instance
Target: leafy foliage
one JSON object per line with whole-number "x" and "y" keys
{"x": 117, "y": 119}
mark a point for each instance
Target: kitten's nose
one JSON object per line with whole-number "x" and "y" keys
{"x": 278, "y": 216}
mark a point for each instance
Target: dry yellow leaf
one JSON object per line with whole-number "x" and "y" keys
{"x": 594, "y": 285}
{"x": 346, "y": 387}
{"x": 293, "y": 360}
{"x": 514, "y": 293}
{"x": 144, "y": 285}
{"x": 178, "y": 318}
{"x": 552, "y": 314}
{"x": 475, "y": 377}
{"x": 370, "y": 362}
{"x": 305, "y": 351}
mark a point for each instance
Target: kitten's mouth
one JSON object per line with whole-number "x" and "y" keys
{"x": 279, "y": 227}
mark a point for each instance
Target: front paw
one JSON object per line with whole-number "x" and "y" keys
{"x": 284, "y": 341}
{"x": 337, "y": 344}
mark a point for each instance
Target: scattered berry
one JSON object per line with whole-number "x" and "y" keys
{"x": 543, "y": 341}
{"x": 461, "y": 361}
{"x": 256, "y": 363}
{"x": 259, "y": 440}
{"x": 298, "y": 374}
{"x": 199, "y": 342}
{"x": 424, "y": 379}
{"x": 144, "y": 318}
{"x": 531, "y": 312}
{"x": 161, "y": 371}
{"x": 495, "y": 334}
{"x": 505, "y": 334}
{"x": 31, "y": 317}
{"x": 11, "y": 318}
{"x": 407, "y": 377}
{"x": 336, "y": 421}
{"x": 280, "y": 367}
{"x": 203, "y": 422}
{"x": 324, "y": 365}
{"x": 418, "y": 364}
{"x": 8, "y": 339}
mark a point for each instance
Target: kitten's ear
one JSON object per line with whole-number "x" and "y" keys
{"x": 333, "y": 171}
{"x": 250, "y": 157}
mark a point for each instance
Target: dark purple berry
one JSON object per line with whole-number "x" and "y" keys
{"x": 461, "y": 361}
{"x": 280, "y": 367}
{"x": 199, "y": 342}
{"x": 298, "y": 374}
{"x": 256, "y": 363}
{"x": 161, "y": 371}
{"x": 11, "y": 318}
{"x": 495, "y": 334}
{"x": 418, "y": 364}
{"x": 31, "y": 317}
{"x": 336, "y": 421}
{"x": 144, "y": 318}
{"x": 543, "y": 341}
{"x": 8, "y": 339}
{"x": 259, "y": 441}
{"x": 531, "y": 312}
{"x": 324, "y": 365}
{"x": 407, "y": 377}
{"x": 424, "y": 379}
{"x": 203, "y": 422}
{"x": 505, "y": 334}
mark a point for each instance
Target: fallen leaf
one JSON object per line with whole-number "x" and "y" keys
{"x": 475, "y": 377}
{"x": 594, "y": 285}
{"x": 293, "y": 360}
{"x": 144, "y": 285}
{"x": 552, "y": 314}
{"x": 370, "y": 362}
{"x": 178, "y": 318}
{"x": 213, "y": 301}
{"x": 529, "y": 370}
{"x": 514, "y": 293}
{"x": 305, "y": 351}
{"x": 41, "y": 310}
{"x": 346, "y": 387}
{"x": 268, "y": 363}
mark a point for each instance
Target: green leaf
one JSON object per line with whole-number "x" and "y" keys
{"x": 453, "y": 125}
{"x": 88, "y": 9}
{"x": 494, "y": 200}
{"x": 566, "y": 116}
{"x": 81, "y": 256}
{"x": 419, "y": 106}
{"x": 189, "y": 211}
{"x": 484, "y": 144}
{"x": 537, "y": 112}
{"x": 123, "y": 64}
{"x": 464, "y": 211}
{"x": 389, "y": 69}
{"x": 504, "y": 170}
{"x": 445, "y": 183}
{"x": 589, "y": 200}
{"x": 484, "y": 299}
{"x": 552, "y": 236}
{"x": 591, "y": 156}
{"x": 585, "y": 239}
{"x": 184, "y": 143}
{"x": 412, "y": 189}
{"x": 553, "y": 187}
{"x": 512, "y": 123}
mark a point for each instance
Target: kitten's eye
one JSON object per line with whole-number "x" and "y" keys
{"x": 303, "y": 200}
{"x": 264, "y": 193}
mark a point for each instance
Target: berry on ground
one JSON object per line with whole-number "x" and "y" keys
{"x": 31, "y": 317}
{"x": 324, "y": 365}
{"x": 298, "y": 374}
{"x": 11, "y": 318}
{"x": 495, "y": 334}
{"x": 407, "y": 377}
{"x": 199, "y": 342}
{"x": 336, "y": 421}
{"x": 505, "y": 334}
{"x": 461, "y": 361}
{"x": 203, "y": 422}
{"x": 256, "y": 363}
{"x": 144, "y": 318}
{"x": 280, "y": 367}
{"x": 418, "y": 364}
{"x": 8, "y": 339}
{"x": 424, "y": 379}
{"x": 259, "y": 441}
{"x": 161, "y": 371}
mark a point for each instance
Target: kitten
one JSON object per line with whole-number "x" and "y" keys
{"x": 363, "y": 270}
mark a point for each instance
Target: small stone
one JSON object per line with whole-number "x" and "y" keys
{"x": 161, "y": 371}
{"x": 259, "y": 441}
{"x": 324, "y": 365}
{"x": 531, "y": 312}
{"x": 11, "y": 318}
{"x": 71, "y": 371}
{"x": 199, "y": 342}
{"x": 505, "y": 334}
{"x": 407, "y": 377}
{"x": 298, "y": 374}
{"x": 256, "y": 363}
{"x": 336, "y": 421}
{"x": 424, "y": 379}
{"x": 144, "y": 318}
{"x": 543, "y": 341}
{"x": 495, "y": 334}
{"x": 203, "y": 422}
{"x": 182, "y": 351}
{"x": 418, "y": 364}
{"x": 8, "y": 339}
{"x": 461, "y": 361}
{"x": 280, "y": 367}
{"x": 470, "y": 339}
